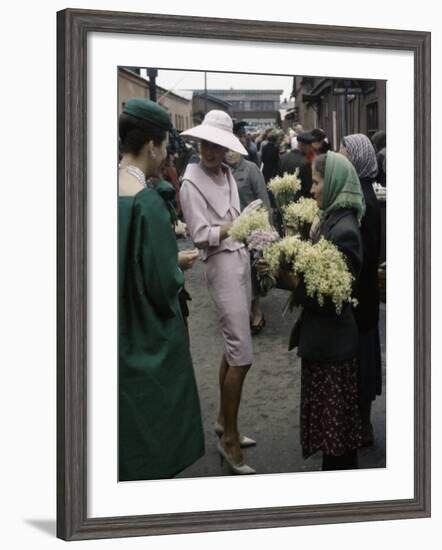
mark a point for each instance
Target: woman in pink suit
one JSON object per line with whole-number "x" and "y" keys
{"x": 210, "y": 202}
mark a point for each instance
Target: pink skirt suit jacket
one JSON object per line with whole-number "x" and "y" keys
{"x": 208, "y": 202}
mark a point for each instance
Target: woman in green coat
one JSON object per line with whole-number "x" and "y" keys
{"x": 160, "y": 428}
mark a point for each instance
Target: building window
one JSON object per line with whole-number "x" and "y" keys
{"x": 262, "y": 105}
{"x": 372, "y": 118}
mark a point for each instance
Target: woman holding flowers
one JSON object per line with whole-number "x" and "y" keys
{"x": 327, "y": 336}
{"x": 210, "y": 202}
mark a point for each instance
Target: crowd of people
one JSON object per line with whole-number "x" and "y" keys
{"x": 198, "y": 184}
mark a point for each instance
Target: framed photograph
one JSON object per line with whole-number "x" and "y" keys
{"x": 104, "y": 60}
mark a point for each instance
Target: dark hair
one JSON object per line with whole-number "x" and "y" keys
{"x": 318, "y": 134}
{"x": 135, "y": 132}
{"x": 273, "y": 135}
{"x": 319, "y": 164}
{"x": 239, "y": 128}
{"x": 379, "y": 140}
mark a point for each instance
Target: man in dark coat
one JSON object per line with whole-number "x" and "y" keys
{"x": 270, "y": 157}
{"x": 239, "y": 129}
{"x": 379, "y": 140}
{"x": 320, "y": 144}
{"x": 298, "y": 158}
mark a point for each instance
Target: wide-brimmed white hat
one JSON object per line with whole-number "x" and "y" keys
{"x": 217, "y": 127}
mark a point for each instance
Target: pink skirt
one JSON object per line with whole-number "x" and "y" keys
{"x": 228, "y": 282}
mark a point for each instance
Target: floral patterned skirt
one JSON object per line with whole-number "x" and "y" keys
{"x": 330, "y": 419}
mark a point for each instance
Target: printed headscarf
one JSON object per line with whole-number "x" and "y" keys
{"x": 362, "y": 155}
{"x": 342, "y": 188}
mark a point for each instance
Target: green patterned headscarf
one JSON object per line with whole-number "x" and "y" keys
{"x": 342, "y": 188}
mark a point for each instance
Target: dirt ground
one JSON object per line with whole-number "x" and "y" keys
{"x": 270, "y": 405}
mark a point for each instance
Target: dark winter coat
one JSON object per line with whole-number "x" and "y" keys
{"x": 269, "y": 159}
{"x": 251, "y": 184}
{"x": 296, "y": 159}
{"x": 322, "y": 334}
{"x": 367, "y": 285}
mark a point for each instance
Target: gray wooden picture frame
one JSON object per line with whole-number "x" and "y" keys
{"x": 73, "y": 27}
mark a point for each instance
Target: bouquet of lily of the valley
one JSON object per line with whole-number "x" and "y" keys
{"x": 298, "y": 217}
{"x": 322, "y": 267}
{"x": 284, "y": 188}
{"x": 258, "y": 241}
{"x": 248, "y": 222}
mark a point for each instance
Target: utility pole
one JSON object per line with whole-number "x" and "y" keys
{"x": 205, "y": 92}
{"x": 152, "y": 74}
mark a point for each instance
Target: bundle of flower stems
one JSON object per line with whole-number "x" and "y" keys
{"x": 299, "y": 216}
{"x": 321, "y": 265}
{"x": 284, "y": 188}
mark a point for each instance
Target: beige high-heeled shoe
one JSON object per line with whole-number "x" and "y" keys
{"x": 240, "y": 468}
{"x": 244, "y": 441}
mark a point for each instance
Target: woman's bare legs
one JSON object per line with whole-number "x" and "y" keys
{"x": 256, "y": 313}
{"x": 221, "y": 377}
{"x": 231, "y": 380}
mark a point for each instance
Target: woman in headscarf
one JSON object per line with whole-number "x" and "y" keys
{"x": 210, "y": 202}
{"x": 327, "y": 341}
{"x": 359, "y": 150}
{"x": 160, "y": 428}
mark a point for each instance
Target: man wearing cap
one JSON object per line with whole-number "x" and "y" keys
{"x": 320, "y": 145}
{"x": 298, "y": 158}
{"x": 240, "y": 131}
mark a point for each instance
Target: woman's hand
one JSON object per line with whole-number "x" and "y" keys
{"x": 181, "y": 229}
{"x": 224, "y": 231}
{"x": 262, "y": 267}
{"x": 186, "y": 258}
{"x": 287, "y": 280}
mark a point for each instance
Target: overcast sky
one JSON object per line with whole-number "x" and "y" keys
{"x": 194, "y": 80}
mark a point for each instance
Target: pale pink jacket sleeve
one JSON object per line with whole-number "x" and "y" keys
{"x": 197, "y": 217}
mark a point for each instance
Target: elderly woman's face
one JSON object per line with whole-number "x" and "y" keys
{"x": 317, "y": 187}
{"x": 212, "y": 155}
{"x": 232, "y": 158}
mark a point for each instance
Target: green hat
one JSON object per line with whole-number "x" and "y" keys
{"x": 148, "y": 110}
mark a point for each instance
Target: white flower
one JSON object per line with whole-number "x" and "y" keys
{"x": 325, "y": 272}
{"x": 244, "y": 225}
{"x": 301, "y": 212}
{"x": 285, "y": 187}
{"x": 322, "y": 266}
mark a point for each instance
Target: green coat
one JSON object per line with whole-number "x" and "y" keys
{"x": 160, "y": 428}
